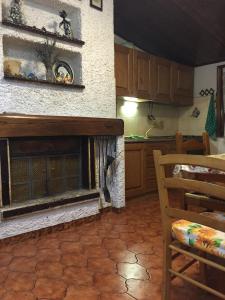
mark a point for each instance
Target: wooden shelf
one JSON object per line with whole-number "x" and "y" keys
{"x": 43, "y": 33}
{"x": 24, "y": 79}
{"x": 19, "y": 125}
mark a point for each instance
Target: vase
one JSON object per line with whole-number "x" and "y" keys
{"x": 49, "y": 74}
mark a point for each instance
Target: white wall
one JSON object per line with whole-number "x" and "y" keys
{"x": 206, "y": 77}
{"x": 166, "y": 120}
{"x": 97, "y": 100}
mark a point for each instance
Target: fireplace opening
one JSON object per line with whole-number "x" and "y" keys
{"x": 47, "y": 167}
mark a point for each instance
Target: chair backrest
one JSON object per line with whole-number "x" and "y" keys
{"x": 193, "y": 145}
{"x": 205, "y": 188}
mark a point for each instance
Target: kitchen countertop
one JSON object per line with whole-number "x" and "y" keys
{"x": 150, "y": 139}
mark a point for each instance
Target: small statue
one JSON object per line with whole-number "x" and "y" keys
{"x": 66, "y": 25}
{"x": 15, "y": 13}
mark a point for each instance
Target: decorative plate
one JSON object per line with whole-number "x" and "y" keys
{"x": 63, "y": 72}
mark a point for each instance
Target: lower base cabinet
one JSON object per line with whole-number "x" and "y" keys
{"x": 140, "y": 177}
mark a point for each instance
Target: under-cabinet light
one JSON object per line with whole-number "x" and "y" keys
{"x": 129, "y": 109}
{"x": 130, "y": 99}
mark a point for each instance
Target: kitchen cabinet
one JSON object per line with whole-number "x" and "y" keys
{"x": 143, "y": 75}
{"x": 124, "y": 71}
{"x": 140, "y": 176}
{"x": 135, "y": 169}
{"x": 183, "y": 81}
{"x": 163, "y": 89}
{"x": 148, "y": 77}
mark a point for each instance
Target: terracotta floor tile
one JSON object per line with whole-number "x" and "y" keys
{"x": 49, "y": 255}
{"x": 74, "y": 260}
{"x": 78, "y": 276}
{"x": 24, "y": 250}
{"x": 4, "y": 271}
{"x": 22, "y": 264}
{"x": 19, "y": 282}
{"x": 122, "y": 256}
{"x": 19, "y": 296}
{"x": 109, "y": 234}
{"x": 49, "y": 269}
{"x": 95, "y": 251}
{"x": 84, "y": 262}
{"x": 110, "y": 296}
{"x": 71, "y": 247}
{"x": 52, "y": 289}
{"x": 149, "y": 261}
{"x": 91, "y": 240}
{"x": 45, "y": 243}
{"x": 87, "y": 293}
{"x": 156, "y": 276}
{"x": 110, "y": 283}
{"x": 68, "y": 236}
{"x": 131, "y": 237}
{"x": 134, "y": 271}
{"x": 5, "y": 259}
{"x": 141, "y": 248}
{"x": 123, "y": 228}
{"x": 143, "y": 289}
{"x": 114, "y": 244}
{"x": 101, "y": 265}
{"x": 7, "y": 249}
{"x": 2, "y": 292}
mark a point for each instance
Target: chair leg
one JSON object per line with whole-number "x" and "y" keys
{"x": 167, "y": 253}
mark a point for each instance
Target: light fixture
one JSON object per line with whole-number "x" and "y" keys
{"x": 129, "y": 109}
{"x": 130, "y": 99}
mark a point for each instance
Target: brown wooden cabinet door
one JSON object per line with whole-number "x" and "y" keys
{"x": 134, "y": 169}
{"x": 150, "y": 177}
{"x": 124, "y": 70}
{"x": 183, "y": 78}
{"x": 162, "y": 80}
{"x": 143, "y": 73}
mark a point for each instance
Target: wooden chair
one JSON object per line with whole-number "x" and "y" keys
{"x": 192, "y": 146}
{"x": 177, "y": 221}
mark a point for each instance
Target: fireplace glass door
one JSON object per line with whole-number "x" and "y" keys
{"x": 37, "y": 177}
{"x": 47, "y": 171}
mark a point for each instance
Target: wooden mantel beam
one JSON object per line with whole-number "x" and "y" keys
{"x": 18, "y": 125}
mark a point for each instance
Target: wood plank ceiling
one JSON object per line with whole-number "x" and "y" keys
{"x": 187, "y": 31}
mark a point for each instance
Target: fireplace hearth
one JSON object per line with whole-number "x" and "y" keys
{"x": 49, "y": 161}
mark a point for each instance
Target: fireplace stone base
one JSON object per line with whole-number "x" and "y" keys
{"x": 48, "y": 218}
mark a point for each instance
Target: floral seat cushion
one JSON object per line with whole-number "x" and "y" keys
{"x": 199, "y": 236}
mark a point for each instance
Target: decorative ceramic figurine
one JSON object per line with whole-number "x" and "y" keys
{"x": 66, "y": 25}
{"x": 15, "y": 13}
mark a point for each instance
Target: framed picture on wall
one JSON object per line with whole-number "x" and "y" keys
{"x": 98, "y": 4}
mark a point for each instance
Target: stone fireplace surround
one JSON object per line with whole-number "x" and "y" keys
{"x": 85, "y": 203}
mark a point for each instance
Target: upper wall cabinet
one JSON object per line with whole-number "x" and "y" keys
{"x": 183, "y": 78}
{"x": 143, "y": 75}
{"x": 163, "y": 80}
{"x": 139, "y": 74}
{"x": 124, "y": 71}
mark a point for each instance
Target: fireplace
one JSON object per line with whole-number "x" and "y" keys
{"x": 49, "y": 161}
{"x": 44, "y": 167}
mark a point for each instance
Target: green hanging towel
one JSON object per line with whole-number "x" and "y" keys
{"x": 210, "y": 125}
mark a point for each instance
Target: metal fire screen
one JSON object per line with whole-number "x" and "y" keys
{"x": 35, "y": 177}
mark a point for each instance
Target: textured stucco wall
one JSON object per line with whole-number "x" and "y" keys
{"x": 97, "y": 100}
